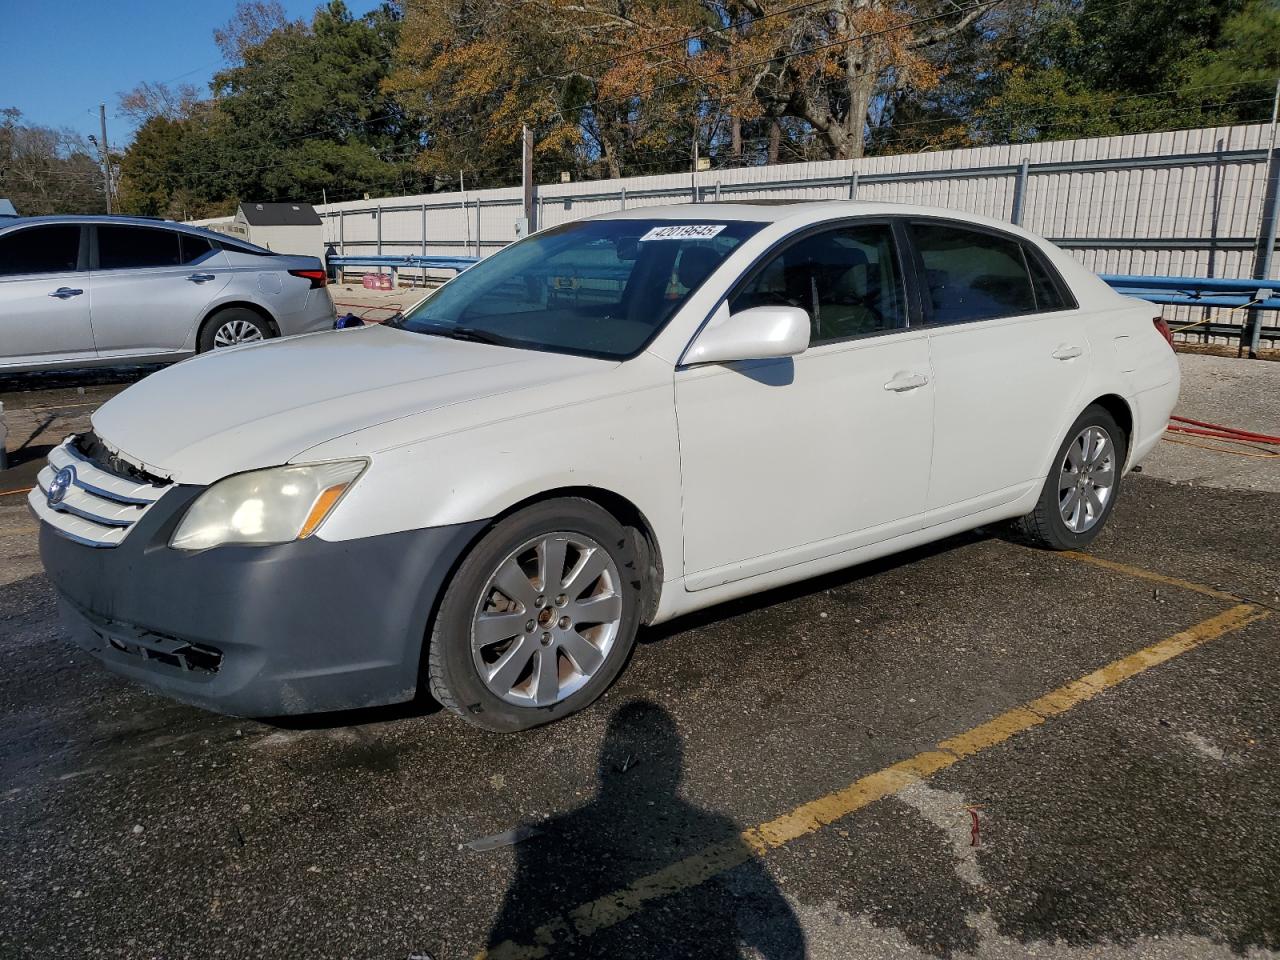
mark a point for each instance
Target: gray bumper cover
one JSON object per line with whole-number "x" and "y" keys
{"x": 295, "y": 628}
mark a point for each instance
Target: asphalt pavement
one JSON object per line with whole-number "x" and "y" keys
{"x": 975, "y": 749}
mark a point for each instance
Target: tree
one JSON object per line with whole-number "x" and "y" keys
{"x": 1245, "y": 56}
{"x": 835, "y": 65}
{"x": 46, "y": 171}
{"x": 299, "y": 114}
{"x": 1165, "y": 64}
{"x": 416, "y": 94}
{"x": 477, "y": 70}
{"x": 148, "y": 100}
{"x": 252, "y": 24}
{"x": 311, "y": 89}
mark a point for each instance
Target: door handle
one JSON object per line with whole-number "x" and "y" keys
{"x": 903, "y": 381}
{"x": 200, "y": 277}
{"x": 66, "y": 293}
{"x": 1067, "y": 352}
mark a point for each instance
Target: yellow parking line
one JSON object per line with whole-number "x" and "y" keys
{"x": 1142, "y": 574}
{"x": 590, "y": 918}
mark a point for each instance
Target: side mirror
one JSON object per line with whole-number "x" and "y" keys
{"x": 759, "y": 333}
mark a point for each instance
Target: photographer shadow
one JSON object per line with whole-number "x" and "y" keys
{"x": 621, "y": 841}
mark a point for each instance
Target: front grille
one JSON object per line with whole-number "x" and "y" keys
{"x": 105, "y": 498}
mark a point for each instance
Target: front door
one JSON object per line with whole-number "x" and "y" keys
{"x": 785, "y": 461}
{"x": 44, "y": 297}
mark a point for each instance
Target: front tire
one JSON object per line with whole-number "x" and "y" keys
{"x": 231, "y": 327}
{"x": 539, "y": 619}
{"x": 1081, "y": 489}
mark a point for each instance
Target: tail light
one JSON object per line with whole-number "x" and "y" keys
{"x": 1162, "y": 328}
{"x": 318, "y": 278}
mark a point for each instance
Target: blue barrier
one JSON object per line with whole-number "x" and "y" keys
{"x": 1197, "y": 291}
{"x": 399, "y": 261}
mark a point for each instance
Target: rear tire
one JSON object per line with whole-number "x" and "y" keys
{"x": 1081, "y": 488}
{"x": 536, "y": 624}
{"x": 233, "y": 326}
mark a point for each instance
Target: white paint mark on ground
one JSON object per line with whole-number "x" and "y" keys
{"x": 1205, "y": 747}
{"x": 833, "y": 934}
{"x": 949, "y": 812}
{"x": 80, "y": 773}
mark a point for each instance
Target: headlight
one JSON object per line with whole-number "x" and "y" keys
{"x": 266, "y": 506}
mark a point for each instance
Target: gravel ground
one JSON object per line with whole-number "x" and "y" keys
{"x": 1239, "y": 393}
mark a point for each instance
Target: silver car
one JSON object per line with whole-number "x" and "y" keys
{"x": 95, "y": 291}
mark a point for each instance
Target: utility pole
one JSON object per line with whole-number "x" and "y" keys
{"x": 106, "y": 154}
{"x": 526, "y": 177}
{"x": 693, "y": 175}
{"x": 1251, "y": 334}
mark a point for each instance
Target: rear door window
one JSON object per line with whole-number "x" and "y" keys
{"x": 54, "y": 248}
{"x": 972, "y": 275}
{"x": 135, "y": 248}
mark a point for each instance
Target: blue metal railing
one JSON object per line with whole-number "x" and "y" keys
{"x": 398, "y": 261}
{"x": 1198, "y": 291}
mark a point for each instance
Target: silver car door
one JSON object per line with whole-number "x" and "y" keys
{"x": 44, "y": 302}
{"x": 150, "y": 288}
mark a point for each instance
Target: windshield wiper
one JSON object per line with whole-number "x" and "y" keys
{"x": 470, "y": 334}
{"x": 474, "y": 336}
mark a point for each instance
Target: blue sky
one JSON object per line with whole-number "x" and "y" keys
{"x": 60, "y": 58}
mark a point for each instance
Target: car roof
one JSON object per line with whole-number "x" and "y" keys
{"x": 799, "y": 212}
{"x": 7, "y": 225}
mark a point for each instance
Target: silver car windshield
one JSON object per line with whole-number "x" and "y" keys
{"x": 601, "y": 288}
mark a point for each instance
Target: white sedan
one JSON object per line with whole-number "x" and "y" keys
{"x": 610, "y": 423}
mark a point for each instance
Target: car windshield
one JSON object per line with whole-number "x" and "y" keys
{"x": 600, "y": 288}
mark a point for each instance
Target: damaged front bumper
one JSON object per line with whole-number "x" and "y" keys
{"x": 300, "y": 627}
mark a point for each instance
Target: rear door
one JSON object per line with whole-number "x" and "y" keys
{"x": 44, "y": 302}
{"x": 150, "y": 288}
{"x": 1010, "y": 358}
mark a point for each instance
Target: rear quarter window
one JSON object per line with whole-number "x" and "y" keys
{"x": 235, "y": 246}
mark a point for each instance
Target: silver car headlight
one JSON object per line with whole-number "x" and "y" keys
{"x": 266, "y": 506}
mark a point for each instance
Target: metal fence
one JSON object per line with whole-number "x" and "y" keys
{"x": 1184, "y": 203}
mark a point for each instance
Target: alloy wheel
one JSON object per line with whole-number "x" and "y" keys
{"x": 1086, "y": 478}
{"x": 236, "y": 331}
{"x": 547, "y": 619}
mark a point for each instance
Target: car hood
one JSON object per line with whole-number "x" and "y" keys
{"x": 264, "y": 404}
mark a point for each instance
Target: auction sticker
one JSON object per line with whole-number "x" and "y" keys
{"x": 684, "y": 231}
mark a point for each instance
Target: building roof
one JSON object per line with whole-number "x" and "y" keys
{"x": 280, "y": 214}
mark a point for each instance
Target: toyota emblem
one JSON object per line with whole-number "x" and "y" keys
{"x": 60, "y": 484}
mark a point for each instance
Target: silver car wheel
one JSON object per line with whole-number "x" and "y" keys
{"x": 236, "y": 331}
{"x": 1086, "y": 479}
{"x": 547, "y": 619}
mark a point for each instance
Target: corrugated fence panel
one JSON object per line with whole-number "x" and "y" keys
{"x": 1182, "y": 203}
